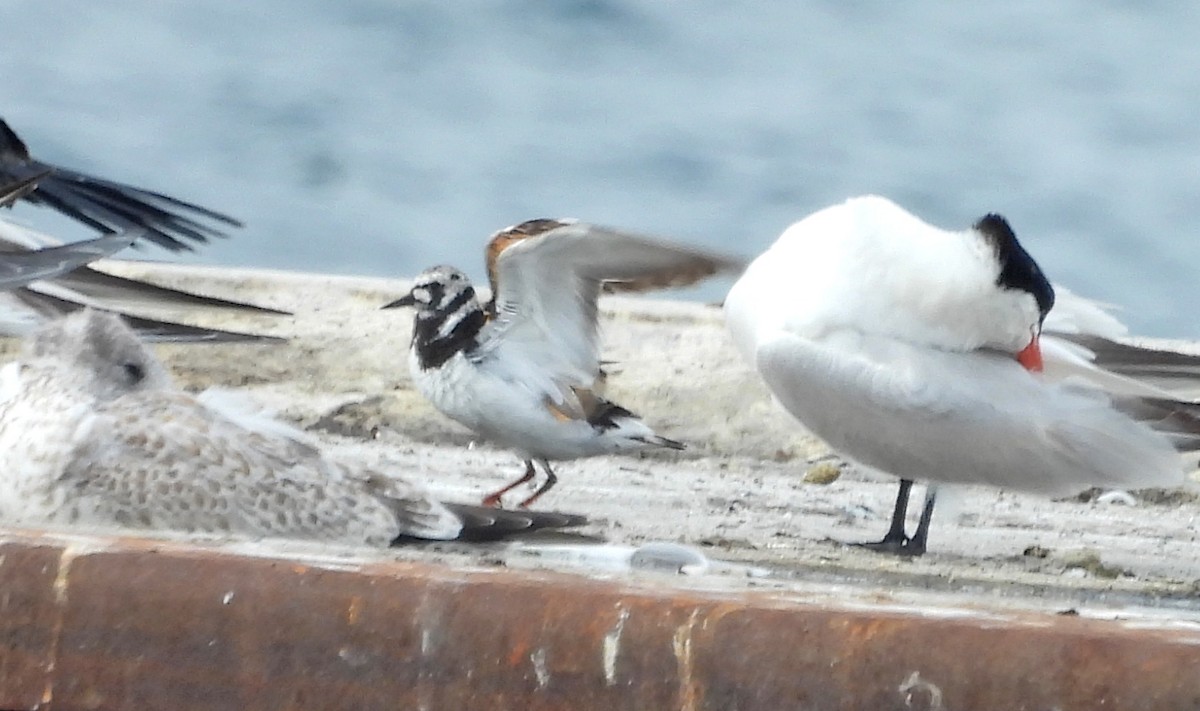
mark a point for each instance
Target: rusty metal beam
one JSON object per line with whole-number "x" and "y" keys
{"x": 167, "y": 626}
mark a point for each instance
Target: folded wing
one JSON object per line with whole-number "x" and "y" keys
{"x": 163, "y": 460}
{"x": 965, "y": 418}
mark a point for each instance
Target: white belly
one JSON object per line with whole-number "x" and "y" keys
{"x": 507, "y": 412}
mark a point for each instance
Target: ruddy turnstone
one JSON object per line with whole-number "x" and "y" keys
{"x": 93, "y": 433}
{"x": 919, "y": 352}
{"x": 524, "y": 370}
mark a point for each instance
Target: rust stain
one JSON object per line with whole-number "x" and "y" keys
{"x": 520, "y": 649}
{"x": 863, "y": 631}
{"x": 714, "y": 613}
{"x": 137, "y": 629}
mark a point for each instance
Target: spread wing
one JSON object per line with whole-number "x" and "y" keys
{"x": 164, "y": 460}
{"x": 106, "y": 205}
{"x": 546, "y": 278}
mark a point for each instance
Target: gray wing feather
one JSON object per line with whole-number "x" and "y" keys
{"x": 21, "y": 268}
{"x": 548, "y": 286}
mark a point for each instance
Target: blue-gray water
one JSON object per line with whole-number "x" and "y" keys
{"x": 378, "y": 137}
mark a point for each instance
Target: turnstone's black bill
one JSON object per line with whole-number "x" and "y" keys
{"x": 524, "y": 370}
{"x": 93, "y": 432}
{"x": 920, "y": 352}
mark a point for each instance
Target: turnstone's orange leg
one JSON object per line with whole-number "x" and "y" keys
{"x": 551, "y": 480}
{"x": 493, "y": 499}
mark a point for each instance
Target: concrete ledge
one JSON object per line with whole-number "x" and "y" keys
{"x": 121, "y": 623}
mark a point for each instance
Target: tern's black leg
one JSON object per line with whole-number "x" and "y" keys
{"x": 896, "y": 540}
{"x": 493, "y": 499}
{"x": 916, "y": 544}
{"x": 551, "y": 480}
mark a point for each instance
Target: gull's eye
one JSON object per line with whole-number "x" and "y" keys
{"x": 134, "y": 372}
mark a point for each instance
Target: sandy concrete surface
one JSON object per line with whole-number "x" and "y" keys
{"x": 738, "y": 493}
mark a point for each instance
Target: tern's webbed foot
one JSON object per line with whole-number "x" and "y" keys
{"x": 905, "y": 547}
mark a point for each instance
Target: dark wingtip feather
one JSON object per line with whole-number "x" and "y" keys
{"x": 157, "y": 331}
{"x": 51, "y": 306}
{"x": 481, "y": 523}
{"x": 1141, "y": 362}
{"x": 109, "y": 206}
{"x": 668, "y": 443}
{"x": 12, "y": 148}
{"x": 19, "y": 188}
{"x": 1179, "y": 420}
{"x": 103, "y": 286}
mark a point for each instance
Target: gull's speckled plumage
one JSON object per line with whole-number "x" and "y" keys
{"x": 92, "y": 432}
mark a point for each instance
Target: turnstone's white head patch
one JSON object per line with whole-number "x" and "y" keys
{"x": 434, "y": 289}
{"x": 449, "y": 316}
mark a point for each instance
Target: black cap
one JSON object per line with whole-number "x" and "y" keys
{"x": 1018, "y": 270}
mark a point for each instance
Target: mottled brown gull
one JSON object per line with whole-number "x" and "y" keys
{"x": 93, "y": 433}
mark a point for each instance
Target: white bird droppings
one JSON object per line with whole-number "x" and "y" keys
{"x": 612, "y": 645}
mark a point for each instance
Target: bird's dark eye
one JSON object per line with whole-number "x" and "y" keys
{"x": 134, "y": 372}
